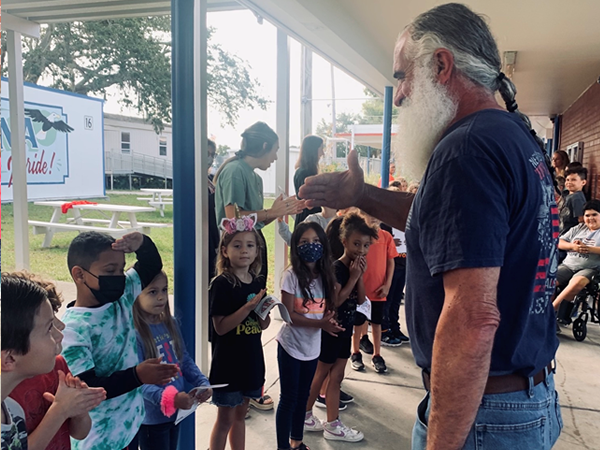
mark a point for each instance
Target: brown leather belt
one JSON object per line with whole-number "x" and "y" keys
{"x": 503, "y": 384}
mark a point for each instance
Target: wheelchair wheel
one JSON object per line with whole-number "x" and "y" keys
{"x": 579, "y": 329}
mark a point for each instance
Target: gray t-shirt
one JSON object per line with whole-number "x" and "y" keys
{"x": 578, "y": 261}
{"x": 571, "y": 211}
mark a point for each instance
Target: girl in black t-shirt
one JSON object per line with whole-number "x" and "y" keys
{"x": 237, "y": 355}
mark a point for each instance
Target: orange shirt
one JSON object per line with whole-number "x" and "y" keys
{"x": 380, "y": 252}
{"x": 389, "y": 181}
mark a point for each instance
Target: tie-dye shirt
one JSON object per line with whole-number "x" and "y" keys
{"x": 303, "y": 343}
{"x": 104, "y": 339}
{"x": 14, "y": 434}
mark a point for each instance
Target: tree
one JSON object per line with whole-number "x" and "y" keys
{"x": 133, "y": 54}
{"x": 372, "y": 109}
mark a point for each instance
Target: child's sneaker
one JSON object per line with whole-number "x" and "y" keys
{"x": 337, "y": 431}
{"x": 379, "y": 364}
{"x": 389, "y": 340}
{"x": 366, "y": 345}
{"x": 312, "y": 422}
{"x": 345, "y": 398}
{"x": 356, "y": 361}
{"x": 320, "y": 402}
{"x": 400, "y": 335}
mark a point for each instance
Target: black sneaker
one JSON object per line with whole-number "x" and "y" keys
{"x": 366, "y": 345}
{"x": 379, "y": 364}
{"x": 356, "y": 361}
{"x": 320, "y": 402}
{"x": 345, "y": 398}
{"x": 389, "y": 340}
{"x": 400, "y": 335}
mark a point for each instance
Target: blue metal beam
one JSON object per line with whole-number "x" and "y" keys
{"x": 184, "y": 223}
{"x": 387, "y": 136}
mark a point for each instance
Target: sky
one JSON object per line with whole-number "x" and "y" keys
{"x": 258, "y": 45}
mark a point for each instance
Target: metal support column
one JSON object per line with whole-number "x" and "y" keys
{"x": 201, "y": 152}
{"x": 306, "y": 92}
{"x": 184, "y": 202}
{"x": 18, "y": 153}
{"x": 556, "y": 136}
{"x": 387, "y": 136}
{"x": 282, "y": 128}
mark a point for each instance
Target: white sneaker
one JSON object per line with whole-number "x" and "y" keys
{"x": 312, "y": 422}
{"x": 337, "y": 431}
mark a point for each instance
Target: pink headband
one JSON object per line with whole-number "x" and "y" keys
{"x": 239, "y": 224}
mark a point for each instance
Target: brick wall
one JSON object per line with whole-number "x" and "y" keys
{"x": 581, "y": 123}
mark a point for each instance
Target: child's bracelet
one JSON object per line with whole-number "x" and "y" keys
{"x": 266, "y": 214}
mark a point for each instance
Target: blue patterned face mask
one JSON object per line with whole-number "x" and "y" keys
{"x": 310, "y": 252}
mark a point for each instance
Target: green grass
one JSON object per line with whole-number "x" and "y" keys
{"x": 52, "y": 262}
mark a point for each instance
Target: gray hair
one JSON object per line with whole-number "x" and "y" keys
{"x": 455, "y": 27}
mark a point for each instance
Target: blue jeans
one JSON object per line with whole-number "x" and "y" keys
{"x": 391, "y": 307}
{"x": 295, "y": 378}
{"x": 528, "y": 419}
{"x": 163, "y": 436}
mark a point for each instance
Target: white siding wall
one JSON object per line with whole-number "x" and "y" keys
{"x": 143, "y": 138}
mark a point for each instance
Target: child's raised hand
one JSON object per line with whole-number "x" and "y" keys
{"x": 129, "y": 243}
{"x": 183, "y": 400}
{"x": 355, "y": 268}
{"x": 203, "y": 396}
{"x": 152, "y": 371}
{"x": 254, "y": 301}
{"x": 363, "y": 264}
{"x": 74, "y": 401}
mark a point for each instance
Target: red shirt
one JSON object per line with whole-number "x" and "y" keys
{"x": 29, "y": 394}
{"x": 380, "y": 252}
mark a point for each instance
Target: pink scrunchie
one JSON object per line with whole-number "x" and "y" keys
{"x": 167, "y": 402}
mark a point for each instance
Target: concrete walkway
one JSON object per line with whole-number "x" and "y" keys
{"x": 384, "y": 406}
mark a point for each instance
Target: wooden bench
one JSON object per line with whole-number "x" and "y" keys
{"x": 145, "y": 226}
{"x": 49, "y": 228}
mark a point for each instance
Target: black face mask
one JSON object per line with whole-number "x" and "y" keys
{"x": 111, "y": 289}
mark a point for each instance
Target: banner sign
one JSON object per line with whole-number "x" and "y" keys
{"x": 63, "y": 144}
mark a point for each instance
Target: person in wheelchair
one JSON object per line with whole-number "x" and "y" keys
{"x": 582, "y": 244}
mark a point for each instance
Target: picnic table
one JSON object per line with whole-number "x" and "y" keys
{"x": 78, "y": 222}
{"x": 158, "y": 199}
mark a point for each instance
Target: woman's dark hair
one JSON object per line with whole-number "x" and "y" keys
{"x": 257, "y": 140}
{"x": 324, "y": 266}
{"x": 21, "y": 301}
{"x": 309, "y": 154}
{"x": 354, "y": 222}
{"x": 593, "y": 205}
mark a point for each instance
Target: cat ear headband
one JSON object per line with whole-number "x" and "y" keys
{"x": 238, "y": 223}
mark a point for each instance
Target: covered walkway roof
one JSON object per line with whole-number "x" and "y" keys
{"x": 557, "y": 42}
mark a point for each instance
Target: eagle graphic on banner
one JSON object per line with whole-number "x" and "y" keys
{"x": 53, "y": 120}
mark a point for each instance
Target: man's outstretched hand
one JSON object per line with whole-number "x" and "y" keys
{"x": 336, "y": 190}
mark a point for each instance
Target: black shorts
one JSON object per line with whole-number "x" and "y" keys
{"x": 376, "y": 314}
{"x": 333, "y": 348}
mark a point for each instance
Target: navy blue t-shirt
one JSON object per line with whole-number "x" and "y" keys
{"x": 486, "y": 200}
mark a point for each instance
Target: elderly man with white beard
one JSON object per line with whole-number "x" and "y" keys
{"x": 481, "y": 235}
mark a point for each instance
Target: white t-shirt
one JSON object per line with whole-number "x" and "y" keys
{"x": 303, "y": 343}
{"x": 14, "y": 433}
{"x": 579, "y": 261}
{"x": 104, "y": 339}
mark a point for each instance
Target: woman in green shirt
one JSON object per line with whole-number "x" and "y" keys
{"x": 237, "y": 183}
{"x": 307, "y": 165}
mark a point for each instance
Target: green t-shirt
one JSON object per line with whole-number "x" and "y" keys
{"x": 104, "y": 339}
{"x": 238, "y": 184}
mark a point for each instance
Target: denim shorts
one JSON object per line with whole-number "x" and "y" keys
{"x": 235, "y": 398}
{"x": 527, "y": 419}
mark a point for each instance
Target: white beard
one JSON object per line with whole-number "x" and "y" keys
{"x": 422, "y": 119}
